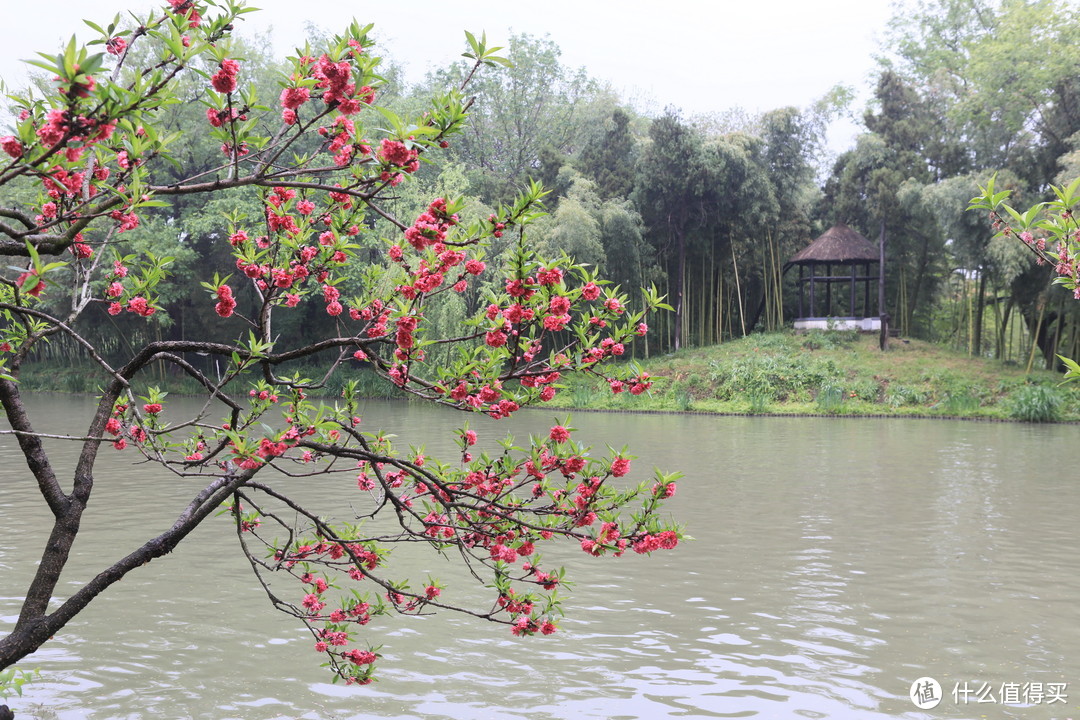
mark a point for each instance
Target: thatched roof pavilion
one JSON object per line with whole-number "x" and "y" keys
{"x": 844, "y": 247}
{"x": 839, "y": 245}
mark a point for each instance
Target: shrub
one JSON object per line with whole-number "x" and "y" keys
{"x": 959, "y": 402}
{"x": 829, "y": 340}
{"x": 759, "y": 404}
{"x": 776, "y": 377}
{"x": 830, "y": 398}
{"x": 867, "y": 390}
{"x": 900, "y": 395}
{"x": 1035, "y": 403}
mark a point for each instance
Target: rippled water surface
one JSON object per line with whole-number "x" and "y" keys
{"x": 833, "y": 563}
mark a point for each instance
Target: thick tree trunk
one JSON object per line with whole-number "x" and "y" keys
{"x": 33, "y": 629}
{"x": 36, "y": 624}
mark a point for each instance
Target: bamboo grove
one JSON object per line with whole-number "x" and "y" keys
{"x": 710, "y": 208}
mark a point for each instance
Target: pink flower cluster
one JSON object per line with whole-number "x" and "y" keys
{"x": 291, "y": 99}
{"x": 559, "y": 434}
{"x": 80, "y": 249}
{"x": 115, "y": 289}
{"x": 406, "y": 324}
{"x": 75, "y": 88}
{"x": 666, "y": 540}
{"x": 125, "y": 220}
{"x": 11, "y": 145}
{"x": 186, "y": 8}
{"x": 63, "y": 125}
{"x": 431, "y": 226}
{"x": 395, "y": 152}
{"x": 217, "y": 118}
{"x": 226, "y": 304}
{"x": 292, "y": 268}
{"x": 30, "y": 283}
{"x": 342, "y": 146}
{"x": 664, "y": 490}
{"x": 140, "y": 306}
{"x": 335, "y": 79}
{"x": 115, "y": 426}
{"x": 544, "y": 382}
{"x": 224, "y": 80}
{"x": 484, "y": 395}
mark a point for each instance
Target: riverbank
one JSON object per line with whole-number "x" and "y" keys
{"x": 835, "y": 374}
{"x": 842, "y": 374}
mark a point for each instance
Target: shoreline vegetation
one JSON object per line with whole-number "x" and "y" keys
{"x": 839, "y": 374}
{"x": 818, "y": 374}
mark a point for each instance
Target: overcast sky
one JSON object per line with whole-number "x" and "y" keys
{"x": 701, "y": 56}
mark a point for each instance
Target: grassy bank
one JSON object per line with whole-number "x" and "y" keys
{"x": 782, "y": 373}
{"x": 839, "y": 374}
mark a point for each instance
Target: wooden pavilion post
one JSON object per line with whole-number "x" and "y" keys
{"x": 802, "y": 289}
{"x": 866, "y": 290}
{"x": 828, "y": 290}
{"x": 851, "y": 302}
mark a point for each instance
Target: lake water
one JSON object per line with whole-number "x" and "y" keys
{"x": 834, "y": 562}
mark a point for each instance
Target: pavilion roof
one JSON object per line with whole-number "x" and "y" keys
{"x": 839, "y": 245}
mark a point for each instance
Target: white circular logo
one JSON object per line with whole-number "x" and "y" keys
{"x": 925, "y": 693}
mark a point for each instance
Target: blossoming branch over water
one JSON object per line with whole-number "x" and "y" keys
{"x": 321, "y": 168}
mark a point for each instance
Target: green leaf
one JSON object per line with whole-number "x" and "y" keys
{"x": 1073, "y": 371}
{"x": 1032, "y": 214}
{"x": 398, "y": 126}
{"x": 34, "y": 257}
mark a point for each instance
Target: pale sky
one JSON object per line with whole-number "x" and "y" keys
{"x": 699, "y": 56}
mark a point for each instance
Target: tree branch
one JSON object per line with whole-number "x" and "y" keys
{"x": 32, "y": 631}
{"x": 32, "y": 449}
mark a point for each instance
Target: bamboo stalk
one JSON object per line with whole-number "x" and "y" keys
{"x": 778, "y": 275}
{"x": 738, "y": 291}
{"x": 1035, "y": 336}
{"x": 721, "y": 305}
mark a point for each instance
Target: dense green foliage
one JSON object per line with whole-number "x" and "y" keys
{"x": 711, "y": 208}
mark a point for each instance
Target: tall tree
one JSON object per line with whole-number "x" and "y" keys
{"x": 537, "y": 104}
{"x": 981, "y": 259}
{"x": 607, "y": 234}
{"x": 1006, "y": 73}
{"x": 865, "y": 191}
{"x": 669, "y": 192}
{"x": 609, "y": 157}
